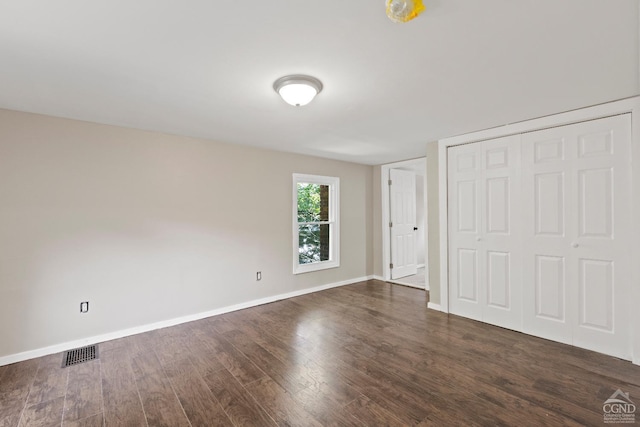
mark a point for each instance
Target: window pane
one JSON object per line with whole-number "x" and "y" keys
{"x": 313, "y": 243}
{"x": 313, "y": 202}
{"x": 324, "y": 203}
{"x": 316, "y": 222}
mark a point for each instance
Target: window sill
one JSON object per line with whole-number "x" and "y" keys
{"x": 316, "y": 266}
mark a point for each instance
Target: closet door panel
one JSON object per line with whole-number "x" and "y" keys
{"x": 550, "y": 288}
{"x": 548, "y": 201}
{"x": 499, "y": 283}
{"x": 500, "y": 232}
{"x": 467, "y": 283}
{"x": 547, "y": 159}
{"x": 465, "y": 258}
{"x": 602, "y": 245}
{"x": 484, "y": 232}
{"x": 576, "y": 248}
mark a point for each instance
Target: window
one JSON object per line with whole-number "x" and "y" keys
{"x": 316, "y": 225}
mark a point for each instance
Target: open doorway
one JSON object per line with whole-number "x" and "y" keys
{"x": 404, "y": 220}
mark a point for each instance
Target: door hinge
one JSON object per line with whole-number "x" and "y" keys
{"x": 390, "y": 182}
{"x": 390, "y": 224}
{"x": 391, "y": 266}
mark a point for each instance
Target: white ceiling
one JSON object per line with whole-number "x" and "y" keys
{"x": 205, "y": 68}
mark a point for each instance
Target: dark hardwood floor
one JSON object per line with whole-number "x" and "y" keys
{"x": 365, "y": 354}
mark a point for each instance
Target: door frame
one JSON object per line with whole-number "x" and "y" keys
{"x": 386, "y": 232}
{"x": 624, "y": 106}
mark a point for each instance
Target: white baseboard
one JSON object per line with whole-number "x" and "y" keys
{"x": 32, "y": 354}
{"x": 420, "y": 266}
{"x": 434, "y": 306}
{"x": 379, "y": 278}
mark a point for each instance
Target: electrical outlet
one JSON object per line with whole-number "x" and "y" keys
{"x": 84, "y": 306}
{"x": 259, "y": 275}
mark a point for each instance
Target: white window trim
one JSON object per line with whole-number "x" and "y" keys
{"x": 334, "y": 219}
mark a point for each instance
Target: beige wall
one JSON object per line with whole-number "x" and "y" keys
{"x": 149, "y": 227}
{"x": 433, "y": 222}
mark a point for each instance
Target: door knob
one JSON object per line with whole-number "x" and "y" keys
{"x": 415, "y": 228}
{"x": 575, "y": 244}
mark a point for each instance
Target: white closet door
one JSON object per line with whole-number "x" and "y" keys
{"x": 484, "y": 231}
{"x": 547, "y": 182}
{"x": 576, "y": 249}
{"x": 465, "y": 177}
{"x": 500, "y": 239}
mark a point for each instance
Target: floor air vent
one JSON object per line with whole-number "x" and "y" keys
{"x": 80, "y": 355}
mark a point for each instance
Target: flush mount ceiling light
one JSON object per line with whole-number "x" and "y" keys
{"x": 297, "y": 90}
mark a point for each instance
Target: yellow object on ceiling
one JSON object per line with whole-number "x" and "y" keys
{"x": 400, "y": 11}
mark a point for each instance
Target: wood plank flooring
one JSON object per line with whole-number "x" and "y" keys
{"x": 361, "y": 355}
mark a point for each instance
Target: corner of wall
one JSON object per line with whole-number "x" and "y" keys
{"x": 433, "y": 222}
{"x": 377, "y": 222}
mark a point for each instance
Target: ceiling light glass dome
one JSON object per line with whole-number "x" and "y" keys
{"x": 297, "y": 90}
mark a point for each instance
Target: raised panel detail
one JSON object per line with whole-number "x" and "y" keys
{"x": 398, "y": 209}
{"x": 467, "y": 275}
{"x": 596, "y": 144}
{"x": 596, "y": 294}
{"x": 467, "y": 206}
{"x": 409, "y": 250}
{"x": 408, "y": 201}
{"x": 498, "y": 279}
{"x": 545, "y": 151}
{"x": 549, "y": 204}
{"x": 497, "y": 158}
{"x": 498, "y": 205}
{"x": 595, "y": 203}
{"x": 400, "y": 254}
{"x": 550, "y": 287}
{"x": 466, "y": 162}
{"x": 404, "y": 249}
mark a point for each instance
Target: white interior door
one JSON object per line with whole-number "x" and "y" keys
{"x": 402, "y": 193}
{"x": 484, "y": 231}
{"x": 577, "y": 247}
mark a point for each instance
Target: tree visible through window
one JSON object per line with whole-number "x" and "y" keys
{"x": 313, "y": 218}
{"x": 316, "y": 222}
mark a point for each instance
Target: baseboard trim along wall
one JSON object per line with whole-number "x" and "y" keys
{"x": 434, "y": 306}
{"x": 32, "y": 354}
